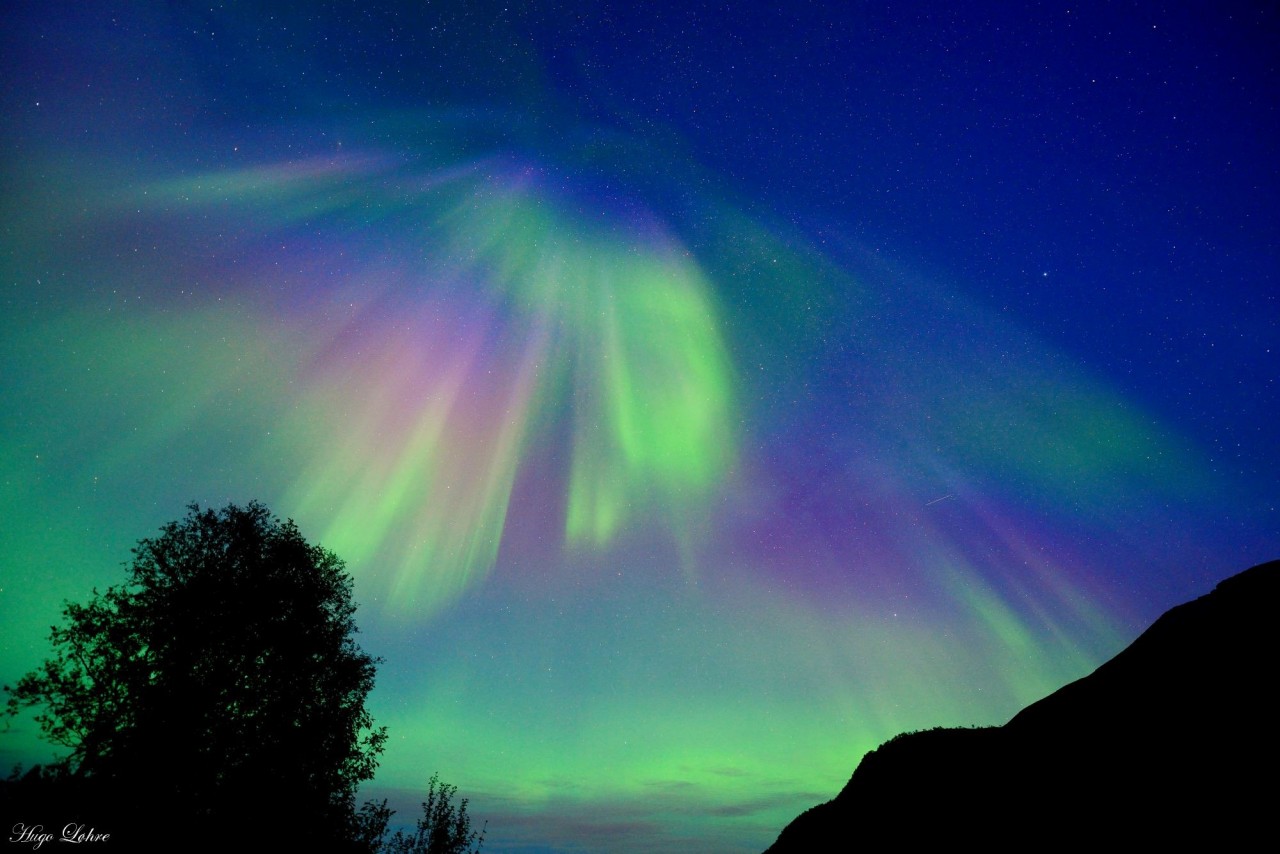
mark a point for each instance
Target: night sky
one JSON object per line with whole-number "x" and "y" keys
{"x": 700, "y": 394}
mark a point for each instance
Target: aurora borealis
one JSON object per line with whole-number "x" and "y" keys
{"x": 699, "y": 396}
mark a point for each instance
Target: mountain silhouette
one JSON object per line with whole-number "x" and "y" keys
{"x": 1172, "y": 740}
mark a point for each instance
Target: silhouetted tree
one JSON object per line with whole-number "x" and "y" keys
{"x": 443, "y": 828}
{"x": 220, "y": 685}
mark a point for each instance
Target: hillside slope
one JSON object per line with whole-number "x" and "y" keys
{"x": 1174, "y": 738}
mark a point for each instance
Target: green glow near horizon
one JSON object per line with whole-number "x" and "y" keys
{"x": 774, "y": 682}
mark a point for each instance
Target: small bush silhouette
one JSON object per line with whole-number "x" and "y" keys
{"x": 443, "y": 828}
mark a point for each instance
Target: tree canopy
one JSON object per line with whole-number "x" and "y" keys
{"x": 443, "y": 828}
{"x": 221, "y": 681}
